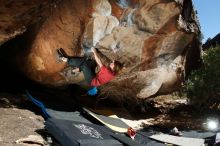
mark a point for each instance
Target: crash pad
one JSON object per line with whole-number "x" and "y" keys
{"x": 72, "y": 133}
{"x": 112, "y": 121}
{"x": 180, "y": 141}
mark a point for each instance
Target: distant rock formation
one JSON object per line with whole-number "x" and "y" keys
{"x": 211, "y": 42}
{"x": 157, "y": 40}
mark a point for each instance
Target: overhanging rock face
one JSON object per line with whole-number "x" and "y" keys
{"x": 16, "y": 16}
{"x": 157, "y": 40}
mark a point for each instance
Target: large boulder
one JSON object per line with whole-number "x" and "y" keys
{"x": 156, "y": 40}
{"x": 16, "y": 16}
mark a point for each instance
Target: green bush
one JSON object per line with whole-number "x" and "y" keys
{"x": 203, "y": 85}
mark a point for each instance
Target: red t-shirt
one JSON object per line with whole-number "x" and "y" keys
{"x": 102, "y": 77}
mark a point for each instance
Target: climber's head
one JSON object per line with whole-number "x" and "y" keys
{"x": 116, "y": 66}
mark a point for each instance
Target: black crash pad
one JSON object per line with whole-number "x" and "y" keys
{"x": 72, "y": 133}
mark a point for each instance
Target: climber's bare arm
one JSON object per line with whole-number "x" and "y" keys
{"x": 97, "y": 59}
{"x": 76, "y": 70}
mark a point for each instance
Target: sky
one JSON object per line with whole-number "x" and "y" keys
{"x": 209, "y": 17}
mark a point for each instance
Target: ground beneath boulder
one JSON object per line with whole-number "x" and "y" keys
{"x": 22, "y": 124}
{"x": 17, "y": 121}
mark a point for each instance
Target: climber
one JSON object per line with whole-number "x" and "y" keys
{"x": 87, "y": 66}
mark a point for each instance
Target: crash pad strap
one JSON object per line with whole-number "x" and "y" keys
{"x": 38, "y": 103}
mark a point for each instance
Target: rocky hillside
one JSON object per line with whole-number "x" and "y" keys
{"x": 157, "y": 40}
{"x": 212, "y": 42}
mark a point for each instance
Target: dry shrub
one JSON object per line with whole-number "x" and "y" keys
{"x": 203, "y": 85}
